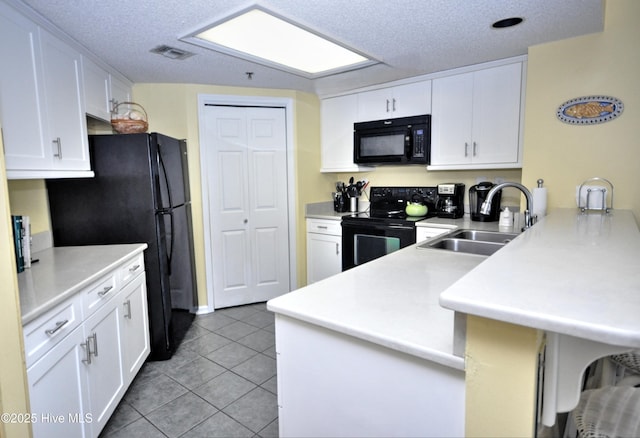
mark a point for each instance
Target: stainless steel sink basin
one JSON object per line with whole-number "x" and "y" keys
{"x": 484, "y": 236}
{"x": 464, "y": 245}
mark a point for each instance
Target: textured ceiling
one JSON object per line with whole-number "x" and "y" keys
{"x": 410, "y": 37}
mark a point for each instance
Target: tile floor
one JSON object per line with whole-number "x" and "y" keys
{"x": 220, "y": 383}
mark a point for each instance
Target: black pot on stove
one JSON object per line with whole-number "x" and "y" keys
{"x": 477, "y": 195}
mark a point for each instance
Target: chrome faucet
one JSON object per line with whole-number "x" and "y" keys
{"x": 529, "y": 218}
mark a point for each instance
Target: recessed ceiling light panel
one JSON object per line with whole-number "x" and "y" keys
{"x": 263, "y": 37}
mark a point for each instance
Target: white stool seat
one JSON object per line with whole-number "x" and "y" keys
{"x": 611, "y": 411}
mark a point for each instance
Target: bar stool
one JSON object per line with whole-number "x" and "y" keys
{"x": 630, "y": 360}
{"x": 610, "y": 411}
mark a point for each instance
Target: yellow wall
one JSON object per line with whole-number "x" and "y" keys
{"x": 501, "y": 371}
{"x": 606, "y": 63}
{"x": 13, "y": 379}
{"x": 29, "y": 198}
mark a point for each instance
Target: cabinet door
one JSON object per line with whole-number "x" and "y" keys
{"x": 134, "y": 324}
{"x": 64, "y": 105}
{"x": 375, "y": 105}
{"x": 337, "y": 117}
{"x": 20, "y": 108}
{"x": 58, "y": 392}
{"x": 393, "y": 102}
{"x": 412, "y": 99}
{"x": 324, "y": 256}
{"x": 496, "y": 114}
{"x": 451, "y": 120}
{"x": 96, "y": 90}
{"x": 104, "y": 372}
{"x": 120, "y": 91}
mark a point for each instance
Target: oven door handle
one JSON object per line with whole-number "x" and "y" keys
{"x": 399, "y": 227}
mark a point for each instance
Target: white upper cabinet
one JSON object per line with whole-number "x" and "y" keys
{"x": 20, "y": 106}
{"x": 102, "y": 90}
{"x": 64, "y": 105}
{"x": 120, "y": 90}
{"x": 46, "y": 90}
{"x": 337, "y": 115}
{"x": 393, "y": 102}
{"x": 96, "y": 90}
{"x": 476, "y": 119}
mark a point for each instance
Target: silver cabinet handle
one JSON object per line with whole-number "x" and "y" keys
{"x": 393, "y": 107}
{"x": 466, "y": 149}
{"x": 337, "y": 248}
{"x": 134, "y": 268}
{"x": 475, "y": 148}
{"x": 114, "y": 104}
{"x": 87, "y": 350}
{"x": 58, "y": 144}
{"x": 323, "y": 227}
{"x": 95, "y": 343}
{"x": 387, "y": 105}
{"x": 105, "y": 291}
{"x": 127, "y": 306}
{"x": 58, "y": 326}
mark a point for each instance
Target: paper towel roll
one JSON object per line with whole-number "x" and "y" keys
{"x": 540, "y": 201}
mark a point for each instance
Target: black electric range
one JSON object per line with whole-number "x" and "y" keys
{"x": 384, "y": 227}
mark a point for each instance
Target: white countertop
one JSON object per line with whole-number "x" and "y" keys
{"x": 391, "y": 301}
{"x": 572, "y": 274}
{"x": 63, "y": 271}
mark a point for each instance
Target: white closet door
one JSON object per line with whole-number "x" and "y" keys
{"x": 249, "y": 228}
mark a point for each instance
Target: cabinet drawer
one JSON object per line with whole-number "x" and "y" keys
{"x": 331, "y": 227}
{"x": 42, "y": 334}
{"x": 132, "y": 268}
{"x": 99, "y": 293}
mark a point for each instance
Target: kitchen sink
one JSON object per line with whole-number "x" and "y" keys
{"x": 477, "y": 242}
{"x": 484, "y": 236}
{"x": 478, "y": 247}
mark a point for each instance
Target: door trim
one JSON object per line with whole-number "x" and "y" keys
{"x": 254, "y": 101}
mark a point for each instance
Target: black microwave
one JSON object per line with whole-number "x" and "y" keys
{"x": 405, "y": 140}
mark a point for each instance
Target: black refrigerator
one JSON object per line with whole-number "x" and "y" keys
{"x": 140, "y": 194}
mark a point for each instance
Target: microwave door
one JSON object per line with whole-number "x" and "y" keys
{"x": 389, "y": 147}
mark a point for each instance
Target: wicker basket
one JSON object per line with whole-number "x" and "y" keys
{"x": 132, "y": 121}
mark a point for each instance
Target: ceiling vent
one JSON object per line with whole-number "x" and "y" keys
{"x": 172, "y": 52}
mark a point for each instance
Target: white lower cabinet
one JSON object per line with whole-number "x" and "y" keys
{"x": 58, "y": 391}
{"x": 334, "y": 385}
{"x": 77, "y": 384}
{"x": 103, "y": 364}
{"x": 134, "y": 328}
{"x": 324, "y": 249}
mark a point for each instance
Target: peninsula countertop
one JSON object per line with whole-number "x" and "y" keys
{"x": 64, "y": 271}
{"x": 391, "y": 301}
{"x": 571, "y": 273}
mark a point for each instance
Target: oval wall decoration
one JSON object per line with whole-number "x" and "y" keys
{"x": 590, "y": 110}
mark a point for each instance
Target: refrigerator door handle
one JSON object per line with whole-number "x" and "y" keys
{"x": 169, "y": 212}
{"x": 164, "y": 173}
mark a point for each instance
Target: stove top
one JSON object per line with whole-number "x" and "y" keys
{"x": 387, "y": 204}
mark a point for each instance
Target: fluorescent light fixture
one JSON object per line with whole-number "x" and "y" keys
{"x": 260, "y": 36}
